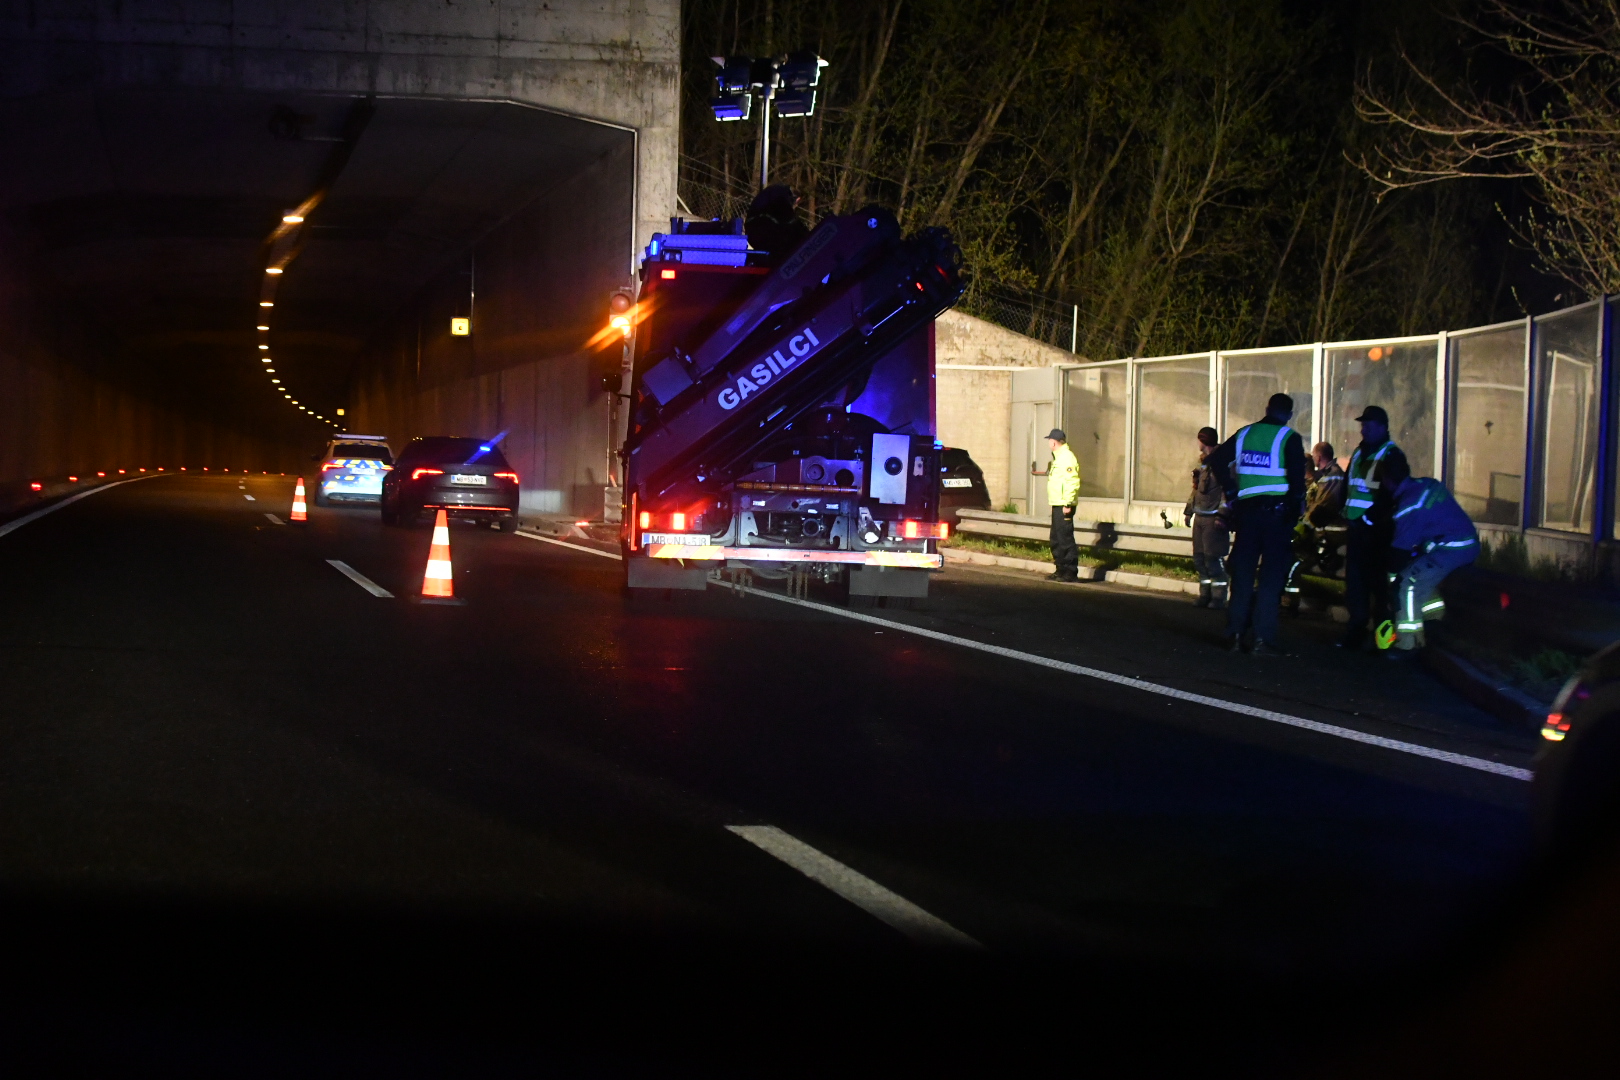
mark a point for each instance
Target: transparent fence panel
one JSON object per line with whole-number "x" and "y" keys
{"x": 1397, "y": 376}
{"x": 1094, "y": 418}
{"x": 1566, "y": 367}
{"x": 1251, "y": 379}
{"x": 1172, "y": 403}
{"x": 1487, "y": 423}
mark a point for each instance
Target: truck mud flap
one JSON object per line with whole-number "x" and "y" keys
{"x": 643, "y": 573}
{"x": 888, "y": 581}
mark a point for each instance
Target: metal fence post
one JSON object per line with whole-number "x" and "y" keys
{"x": 1442, "y": 409}
{"x": 1074, "y": 331}
{"x": 1318, "y": 394}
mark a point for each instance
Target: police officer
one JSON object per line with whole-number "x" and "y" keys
{"x": 1063, "y": 492}
{"x": 1262, "y": 469}
{"x": 1432, "y": 537}
{"x": 1205, "y": 513}
{"x": 1367, "y": 510}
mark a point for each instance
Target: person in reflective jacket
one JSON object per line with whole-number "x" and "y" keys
{"x": 1262, "y": 469}
{"x": 1063, "y": 492}
{"x": 1366, "y": 508}
{"x": 1433, "y": 537}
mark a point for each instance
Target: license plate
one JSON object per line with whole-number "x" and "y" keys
{"x": 957, "y": 481}
{"x": 469, "y": 478}
{"x": 679, "y": 539}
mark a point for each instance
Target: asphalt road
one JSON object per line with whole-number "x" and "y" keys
{"x": 241, "y": 795}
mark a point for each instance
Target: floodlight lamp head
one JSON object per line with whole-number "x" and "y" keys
{"x": 801, "y": 71}
{"x": 736, "y": 74}
{"x": 795, "y": 102}
{"x": 620, "y": 302}
{"x": 732, "y": 106}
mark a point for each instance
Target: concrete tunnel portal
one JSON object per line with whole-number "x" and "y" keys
{"x": 148, "y": 266}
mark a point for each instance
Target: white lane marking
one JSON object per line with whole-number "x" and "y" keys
{"x": 856, "y": 887}
{"x": 11, "y": 526}
{"x": 1350, "y": 734}
{"x": 250, "y": 498}
{"x": 275, "y": 520}
{"x": 360, "y": 579}
{"x": 576, "y": 547}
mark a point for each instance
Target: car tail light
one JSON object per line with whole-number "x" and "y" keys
{"x": 417, "y": 474}
{"x": 36, "y": 486}
{"x": 380, "y": 466}
{"x": 677, "y": 522}
{"x": 512, "y": 476}
{"x": 924, "y": 530}
{"x": 1556, "y": 727}
{"x": 332, "y": 465}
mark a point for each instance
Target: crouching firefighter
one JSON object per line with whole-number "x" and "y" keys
{"x": 1433, "y": 537}
{"x": 1206, "y": 513}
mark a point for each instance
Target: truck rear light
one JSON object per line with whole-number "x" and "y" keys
{"x": 512, "y": 476}
{"x": 677, "y": 522}
{"x": 646, "y": 520}
{"x": 924, "y": 530}
{"x": 417, "y": 474}
{"x": 667, "y": 275}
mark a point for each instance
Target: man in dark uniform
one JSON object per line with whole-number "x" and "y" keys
{"x": 1262, "y": 469}
{"x": 1367, "y": 509}
{"x": 1205, "y": 512}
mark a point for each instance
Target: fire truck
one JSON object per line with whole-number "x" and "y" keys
{"x": 781, "y": 417}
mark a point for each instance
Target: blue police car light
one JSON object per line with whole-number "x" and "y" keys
{"x": 485, "y": 449}
{"x": 871, "y": 223}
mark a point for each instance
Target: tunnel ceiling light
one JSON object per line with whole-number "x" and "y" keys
{"x": 292, "y": 219}
{"x": 276, "y": 381}
{"x": 263, "y": 328}
{"x": 264, "y": 346}
{"x": 272, "y": 270}
{"x": 267, "y": 303}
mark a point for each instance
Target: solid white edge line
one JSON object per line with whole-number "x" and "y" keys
{"x": 854, "y": 886}
{"x": 11, "y": 526}
{"x": 274, "y": 520}
{"x": 1351, "y": 734}
{"x": 360, "y": 579}
{"x": 566, "y": 544}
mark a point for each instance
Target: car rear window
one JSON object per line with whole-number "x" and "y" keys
{"x": 953, "y": 458}
{"x": 446, "y": 450}
{"x": 376, "y": 451}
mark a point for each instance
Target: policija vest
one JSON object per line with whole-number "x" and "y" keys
{"x": 1358, "y": 476}
{"x": 1259, "y": 460}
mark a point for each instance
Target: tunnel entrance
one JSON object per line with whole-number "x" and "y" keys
{"x": 147, "y": 244}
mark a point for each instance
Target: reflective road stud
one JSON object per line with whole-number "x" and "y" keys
{"x": 437, "y": 583}
{"x": 300, "y": 512}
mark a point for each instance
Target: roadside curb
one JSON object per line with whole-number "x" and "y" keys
{"x": 1496, "y": 697}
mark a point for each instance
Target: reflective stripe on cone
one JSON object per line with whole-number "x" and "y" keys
{"x": 300, "y": 512}
{"x": 437, "y": 580}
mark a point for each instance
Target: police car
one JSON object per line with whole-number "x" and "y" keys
{"x": 352, "y": 470}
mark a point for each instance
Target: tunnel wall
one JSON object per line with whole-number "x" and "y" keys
{"x": 67, "y": 408}
{"x": 542, "y": 282}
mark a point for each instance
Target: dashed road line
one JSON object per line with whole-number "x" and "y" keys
{"x": 274, "y": 520}
{"x": 250, "y": 498}
{"x": 854, "y": 886}
{"x": 576, "y": 547}
{"x": 360, "y": 579}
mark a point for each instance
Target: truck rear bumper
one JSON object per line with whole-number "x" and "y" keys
{"x": 920, "y": 560}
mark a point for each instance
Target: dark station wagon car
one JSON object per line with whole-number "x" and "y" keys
{"x": 961, "y": 485}
{"x": 467, "y": 478}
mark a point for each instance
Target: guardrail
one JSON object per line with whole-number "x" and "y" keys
{"x": 1106, "y": 535}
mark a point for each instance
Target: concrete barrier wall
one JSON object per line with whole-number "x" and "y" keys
{"x": 974, "y": 361}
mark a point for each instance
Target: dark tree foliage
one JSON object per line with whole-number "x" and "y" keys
{"x": 1182, "y": 170}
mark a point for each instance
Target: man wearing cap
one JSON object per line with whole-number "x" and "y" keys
{"x": 1367, "y": 509}
{"x": 1262, "y": 469}
{"x": 1063, "y": 492}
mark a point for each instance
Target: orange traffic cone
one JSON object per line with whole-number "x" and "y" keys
{"x": 300, "y": 512}
{"x": 438, "y": 583}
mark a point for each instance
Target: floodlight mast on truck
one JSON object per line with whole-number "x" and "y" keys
{"x": 786, "y": 86}
{"x": 783, "y": 416}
